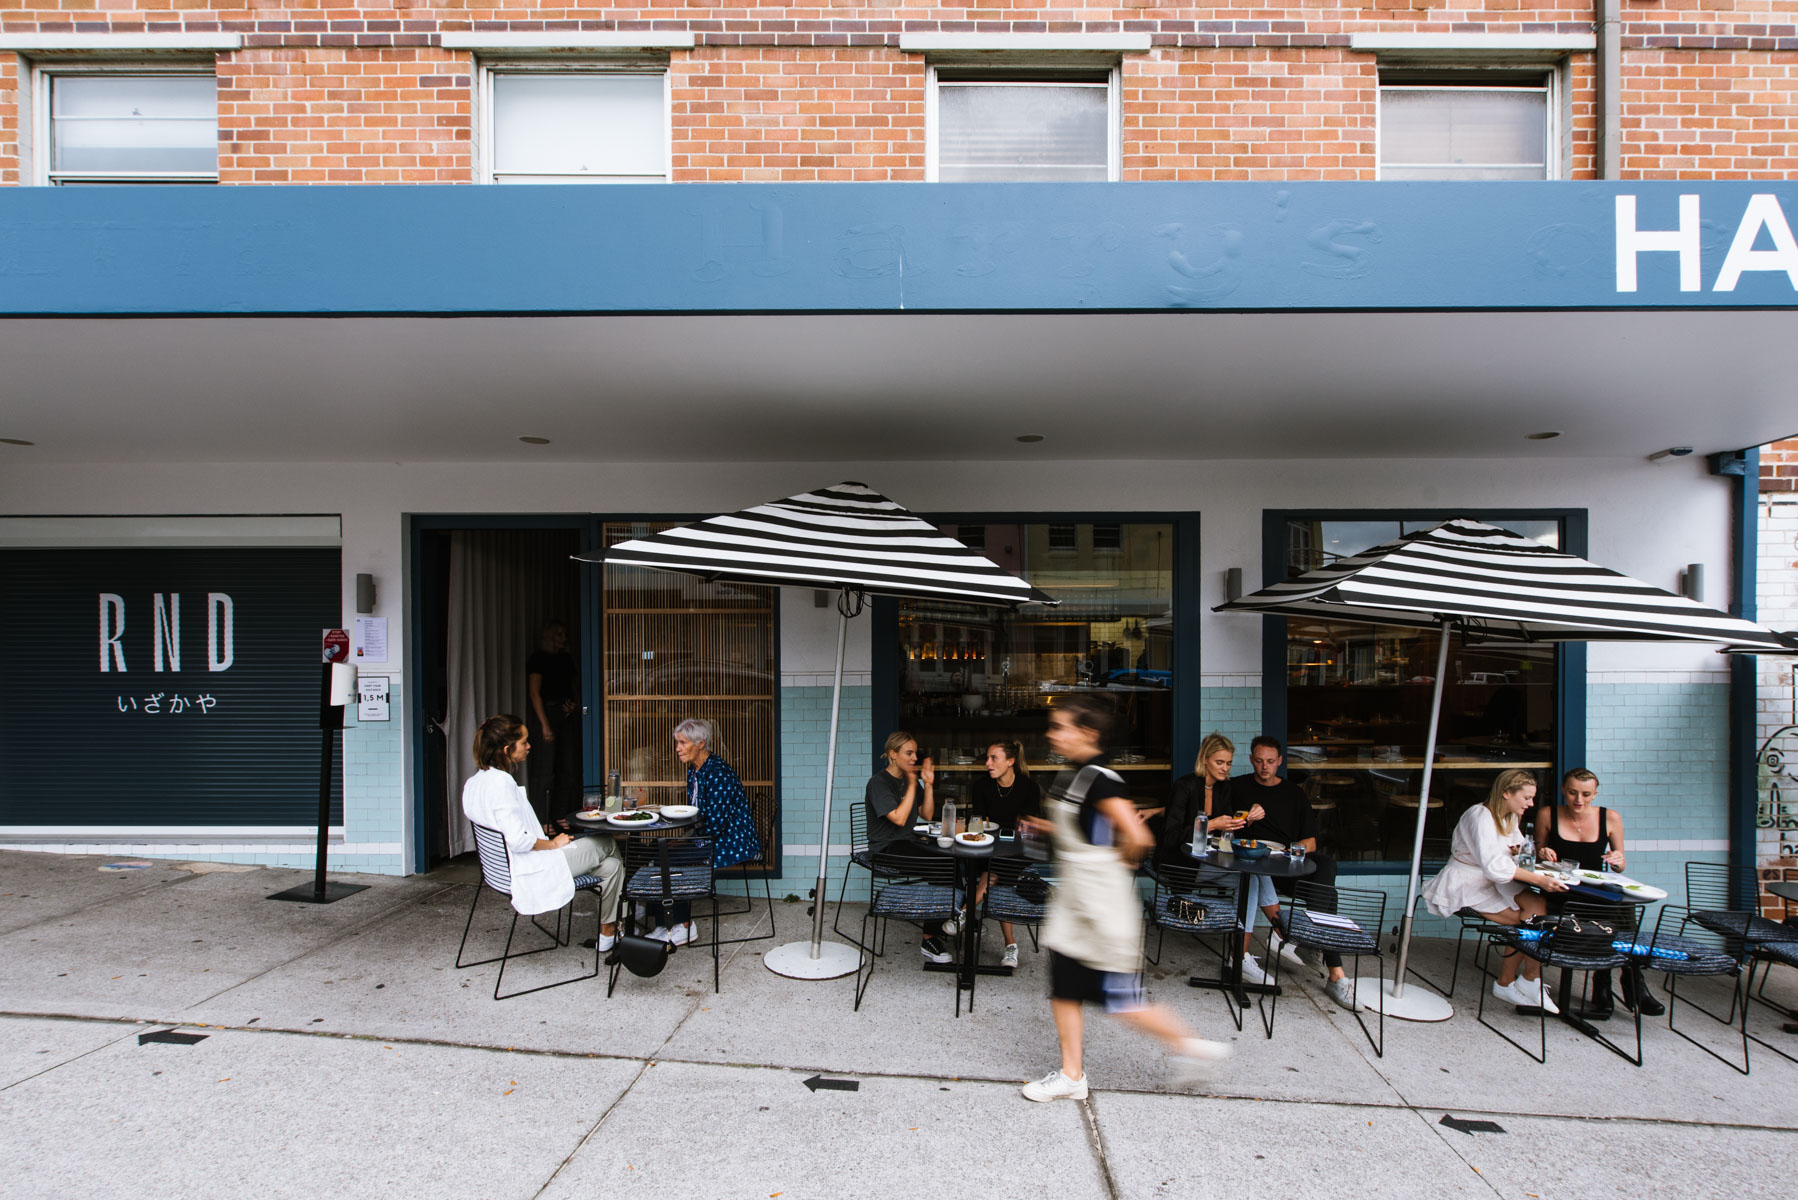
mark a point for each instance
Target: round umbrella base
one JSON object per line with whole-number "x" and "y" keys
{"x": 1416, "y": 1004}
{"x": 794, "y": 960}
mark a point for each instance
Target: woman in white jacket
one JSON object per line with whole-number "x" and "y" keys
{"x": 543, "y": 866}
{"x": 1483, "y": 875}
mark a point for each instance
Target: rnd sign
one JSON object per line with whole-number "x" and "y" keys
{"x": 164, "y": 629}
{"x": 1762, "y": 215}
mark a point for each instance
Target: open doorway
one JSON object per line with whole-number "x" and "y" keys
{"x": 487, "y": 597}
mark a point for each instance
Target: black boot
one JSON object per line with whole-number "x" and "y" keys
{"x": 1599, "y": 1006}
{"x": 1636, "y": 995}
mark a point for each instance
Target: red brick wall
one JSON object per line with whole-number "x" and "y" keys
{"x": 9, "y": 119}
{"x": 328, "y": 94}
{"x": 325, "y": 115}
{"x": 1779, "y": 466}
{"x": 755, "y": 114}
{"x": 1249, "y": 114}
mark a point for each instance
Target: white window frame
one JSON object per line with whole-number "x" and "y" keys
{"x": 564, "y": 66}
{"x": 44, "y": 72}
{"x": 1028, "y": 73}
{"x": 1552, "y": 87}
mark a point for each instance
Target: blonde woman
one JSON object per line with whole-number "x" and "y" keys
{"x": 903, "y": 791}
{"x": 1205, "y": 793}
{"x": 1482, "y": 875}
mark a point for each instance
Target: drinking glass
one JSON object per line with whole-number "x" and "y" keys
{"x": 1296, "y": 852}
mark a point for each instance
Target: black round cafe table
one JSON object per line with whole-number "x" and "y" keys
{"x": 971, "y": 863}
{"x": 1273, "y": 866}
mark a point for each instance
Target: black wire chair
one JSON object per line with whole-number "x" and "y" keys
{"x": 665, "y": 870}
{"x": 1699, "y": 950}
{"x": 764, "y": 830}
{"x": 1473, "y": 923}
{"x": 1004, "y": 903}
{"x": 496, "y": 874}
{"x": 1198, "y": 904}
{"x": 1585, "y": 936}
{"x": 1724, "y": 901}
{"x": 1313, "y": 918}
{"x": 1768, "y": 955}
{"x": 860, "y": 855}
{"x": 917, "y": 890}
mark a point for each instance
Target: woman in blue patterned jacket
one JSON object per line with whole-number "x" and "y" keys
{"x": 713, "y": 787}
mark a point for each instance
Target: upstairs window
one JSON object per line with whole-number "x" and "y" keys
{"x": 1049, "y": 126}
{"x": 577, "y": 126}
{"x": 1467, "y": 126}
{"x": 116, "y": 126}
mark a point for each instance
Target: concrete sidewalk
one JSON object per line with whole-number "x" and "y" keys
{"x": 344, "y": 1055}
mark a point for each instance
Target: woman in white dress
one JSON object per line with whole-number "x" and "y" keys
{"x": 1482, "y": 875}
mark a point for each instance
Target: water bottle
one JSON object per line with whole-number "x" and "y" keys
{"x": 949, "y": 829}
{"x": 1201, "y": 842}
{"x": 612, "y": 788}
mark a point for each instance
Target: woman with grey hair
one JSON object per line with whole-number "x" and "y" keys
{"x": 712, "y": 787}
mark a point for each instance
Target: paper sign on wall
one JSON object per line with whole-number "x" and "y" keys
{"x": 371, "y": 639}
{"x": 372, "y": 698}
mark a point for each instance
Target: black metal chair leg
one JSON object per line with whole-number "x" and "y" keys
{"x": 1673, "y": 1003}
{"x": 481, "y": 962}
{"x": 1541, "y": 1055}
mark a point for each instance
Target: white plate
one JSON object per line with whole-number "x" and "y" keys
{"x": 974, "y": 839}
{"x": 630, "y": 820}
{"x": 592, "y": 814}
{"x": 679, "y": 812}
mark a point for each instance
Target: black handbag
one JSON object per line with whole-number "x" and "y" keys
{"x": 1032, "y": 887}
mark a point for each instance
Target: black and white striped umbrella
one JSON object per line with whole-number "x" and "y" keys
{"x": 846, "y": 536}
{"x": 1496, "y": 585}
{"x": 1492, "y": 585}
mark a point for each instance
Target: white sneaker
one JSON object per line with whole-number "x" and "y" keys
{"x": 1055, "y": 1086}
{"x": 660, "y": 933}
{"x": 1514, "y": 993}
{"x": 1343, "y": 992}
{"x": 680, "y": 935}
{"x": 952, "y": 926}
{"x": 1195, "y": 1060}
{"x": 1540, "y": 996}
{"x": 1251, "y": 970}
{"x": 1011, "y": 955}
{"x": 1285, "y": 949}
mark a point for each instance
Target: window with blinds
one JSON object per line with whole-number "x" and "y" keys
{"x": 676, "y": 646}
{"x": 1017, "y": 126}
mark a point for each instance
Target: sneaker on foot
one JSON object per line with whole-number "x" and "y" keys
{"x": 1055, "y": 1086}
{"x": 680, "y": 935}
{"x": 1251, "y": 970}
{"x": 1541, "y": 997}
{"x": 1284, "y": 949}
{"x": 952, "y": 926}
{"x": 660, "y": 933}
{"x": 936, "y": 952}
{"x": 1011, "y": 955}
{"x": 1343, "y": 992}
{"x": 1514, "y": 993}
{"x": 1195, "y": 1060}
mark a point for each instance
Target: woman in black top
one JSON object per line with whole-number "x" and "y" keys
{"x": 1206, "y": 793}
{"x": 1002, "y": 795}
{"x": 1578, "y": 831}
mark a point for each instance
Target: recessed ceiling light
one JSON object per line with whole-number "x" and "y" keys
{"x": 17, "y": 442}
{"x": 1545, "y": 435}
{"x": 534, "y": 441}
{"x": 1030, "y": 437}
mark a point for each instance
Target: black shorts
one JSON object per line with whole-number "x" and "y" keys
{"x": 1118, "y": 991}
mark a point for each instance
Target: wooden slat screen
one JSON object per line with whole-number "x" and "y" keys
{"x": 675, "y": 647}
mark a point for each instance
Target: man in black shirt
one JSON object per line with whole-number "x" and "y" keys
{"x": 1280, "y": 811}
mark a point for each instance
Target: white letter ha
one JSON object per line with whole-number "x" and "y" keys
{"x": 1763, "y": 211}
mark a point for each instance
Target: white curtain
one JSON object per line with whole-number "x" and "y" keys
{"x": 503, "y": 585}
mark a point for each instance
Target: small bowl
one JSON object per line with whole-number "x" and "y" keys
{"x": 1250, "y": 853}
{"x": 945, "y": 841}
{"x": 679, "y": 812}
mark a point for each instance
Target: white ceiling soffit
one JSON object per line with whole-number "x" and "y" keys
{"x": 890, "y": 387}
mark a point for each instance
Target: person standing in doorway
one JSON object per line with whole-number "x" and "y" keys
{"x": 554, "y": 771}
{"x": 1093, "y": 931}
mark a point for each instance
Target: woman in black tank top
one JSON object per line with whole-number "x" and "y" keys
{"x": 1577, "y": 831}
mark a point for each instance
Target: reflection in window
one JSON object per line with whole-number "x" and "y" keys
{"x": 1358, "y": 704}
{"x": 971, "y": 675}
{"x": 675, "y": 647}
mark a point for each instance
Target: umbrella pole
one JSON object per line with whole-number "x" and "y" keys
{"x": 1418, "y": 1006}
{"x": 830, "y": 776}
{"x": 816, "y": 959}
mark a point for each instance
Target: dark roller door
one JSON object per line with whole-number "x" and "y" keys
{"x": 163, "y": 687}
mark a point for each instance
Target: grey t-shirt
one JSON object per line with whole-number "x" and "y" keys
{"x": 883, "y": 796}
